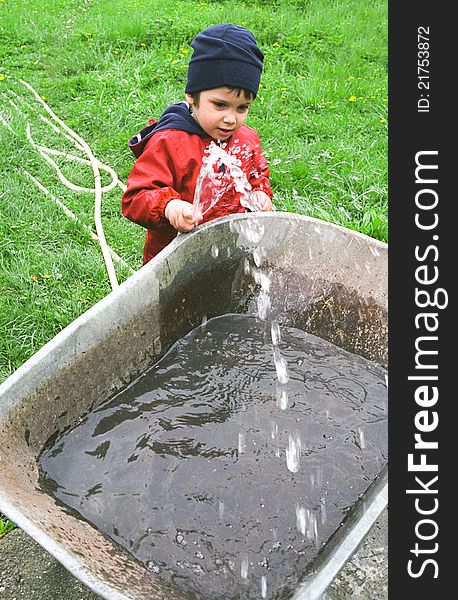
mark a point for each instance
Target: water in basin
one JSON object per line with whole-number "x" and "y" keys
{"x": 228, "y": 465}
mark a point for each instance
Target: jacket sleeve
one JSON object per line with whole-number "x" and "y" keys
{"x": 260, "y": 172}
{"x": 151, "y": 185}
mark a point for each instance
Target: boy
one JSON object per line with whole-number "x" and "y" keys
{"x": 223, "y": 80}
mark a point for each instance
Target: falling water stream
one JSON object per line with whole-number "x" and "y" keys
{"x": 228, "y": 465}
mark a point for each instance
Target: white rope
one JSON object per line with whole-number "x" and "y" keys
{"x": 72, "y": 216}
{"x": 45, "y": 152}
{"x": 107, "y": 252}
{"x": 97, "y": 184}
{"x": 5, "y": 123}
{"x": 114, "y": 177}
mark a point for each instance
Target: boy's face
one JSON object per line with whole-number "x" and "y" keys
{"x": 221, "y": 112}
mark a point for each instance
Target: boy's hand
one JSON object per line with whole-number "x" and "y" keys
{"x": 262, "y": 201}
{"x": 180, "y": 215}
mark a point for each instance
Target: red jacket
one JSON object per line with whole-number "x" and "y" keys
{"x": 168, "y": 168}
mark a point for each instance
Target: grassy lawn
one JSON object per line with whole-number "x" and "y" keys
{"x": 5, "y": 525}
{"x": 105, "y": 67}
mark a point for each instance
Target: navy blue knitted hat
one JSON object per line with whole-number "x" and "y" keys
{"x": 224, "y": 55}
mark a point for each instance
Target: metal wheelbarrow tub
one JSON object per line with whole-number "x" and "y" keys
{"x": 327, "y": 280}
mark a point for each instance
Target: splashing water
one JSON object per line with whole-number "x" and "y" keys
{"x": 219, "y": 173}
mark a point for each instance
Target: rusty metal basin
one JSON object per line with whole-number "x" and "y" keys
{"x": 327, "y": 280}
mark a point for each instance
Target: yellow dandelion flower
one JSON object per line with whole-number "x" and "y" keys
{"x": 2, "y": 77}
{"x": 352, "y": 99}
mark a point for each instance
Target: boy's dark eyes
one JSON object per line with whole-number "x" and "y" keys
{"x": 242, "y": 108}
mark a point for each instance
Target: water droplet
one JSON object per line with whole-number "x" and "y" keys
{"x": 180, "y": 540}
{"x": 362, "y": 441}
{"x": 293, "y": 452}
{"x": 300, "y": 519}
{"x": 152, "y": 567}
{"x": 275, "y": 333}
{"x": 324, "y": 516}
{"x": 306, "y": 523}
{"x": 280, "y": 366}
{"x": 257, "y": 257}
{"x": 282, "y": 397}
{"x": 244, "y": 567}
{"x": 274, "y": 430}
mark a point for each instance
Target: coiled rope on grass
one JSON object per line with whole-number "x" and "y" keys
{"x": 47, "y": 153}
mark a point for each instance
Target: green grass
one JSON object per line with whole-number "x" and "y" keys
{"x": 5, "y": 525}
{"x": 105, "y": 67}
